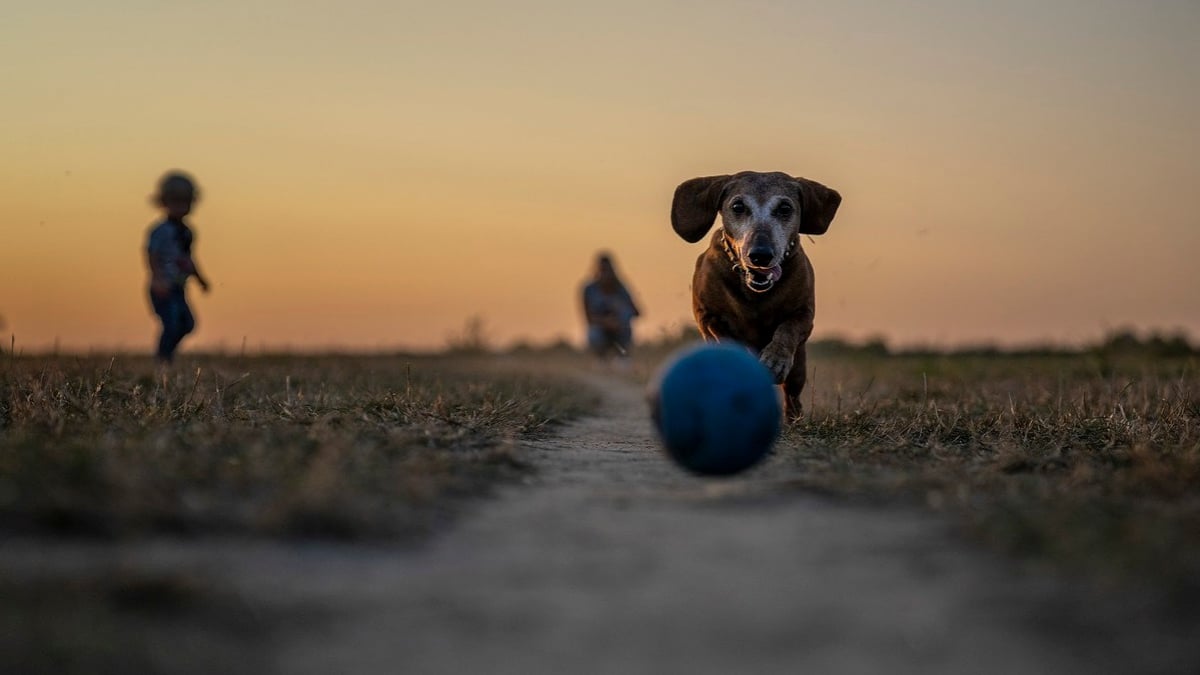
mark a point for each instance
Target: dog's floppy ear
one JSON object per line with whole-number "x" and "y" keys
{"x": 818, "y": 204}
{"x": 695, "y": 206}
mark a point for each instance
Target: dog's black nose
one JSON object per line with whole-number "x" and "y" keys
{"x": 760, "y": 256}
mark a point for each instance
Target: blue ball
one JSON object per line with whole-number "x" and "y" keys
{"x": 716, "y": 408}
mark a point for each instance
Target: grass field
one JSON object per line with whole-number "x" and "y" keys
{"x": 1088, "y": 461}
{"x": 342, "y": 447}
{"x": 365, "y": 449}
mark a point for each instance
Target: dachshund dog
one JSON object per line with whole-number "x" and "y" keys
{"x": 753, "y": 283}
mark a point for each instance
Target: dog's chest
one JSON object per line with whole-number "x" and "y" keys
{"x": 751, "y": 317}
{"x": 754, "y": 321}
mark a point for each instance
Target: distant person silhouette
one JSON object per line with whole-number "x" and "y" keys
{"x": 609, "y": 310}
{"x": 169, "y": 255}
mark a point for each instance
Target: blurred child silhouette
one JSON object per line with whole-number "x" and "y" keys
{"x": 169, "y": 255}
{"x": 609, "y": 310}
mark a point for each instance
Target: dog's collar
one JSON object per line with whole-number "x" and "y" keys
{"x": 737, "y": 263}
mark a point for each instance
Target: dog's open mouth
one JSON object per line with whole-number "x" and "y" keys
{"x": 760, "y": 279}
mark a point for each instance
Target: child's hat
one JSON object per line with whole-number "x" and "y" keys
{"x": 178, "y": 185}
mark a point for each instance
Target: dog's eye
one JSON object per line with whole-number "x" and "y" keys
{"x": 784, "y": 210}
{"x": 738, "y": 207}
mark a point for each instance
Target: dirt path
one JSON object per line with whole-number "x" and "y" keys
{"x": 612, "y": 561}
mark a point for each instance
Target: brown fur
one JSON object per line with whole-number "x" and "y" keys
{"x": 777, "y": 322}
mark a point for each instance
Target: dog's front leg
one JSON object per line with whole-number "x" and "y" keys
{"x": 780, "y": 353}
{"x": 710, "y": 332}
{"x": 711, "y": 326}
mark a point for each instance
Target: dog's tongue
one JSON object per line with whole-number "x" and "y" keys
{"x": 768, "y": 274}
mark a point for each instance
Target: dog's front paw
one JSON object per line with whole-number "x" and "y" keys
{"x": 778, "y": 362}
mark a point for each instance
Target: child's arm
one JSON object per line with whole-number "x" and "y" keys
{"x": 199, "y": 277}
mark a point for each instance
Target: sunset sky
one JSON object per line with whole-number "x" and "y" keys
{"x": 376, "y": 172}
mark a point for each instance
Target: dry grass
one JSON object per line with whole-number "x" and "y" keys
{"x": 1092, "y": 463}
{"x": 385, "y": 449}
{"x": 327, "y": 446}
